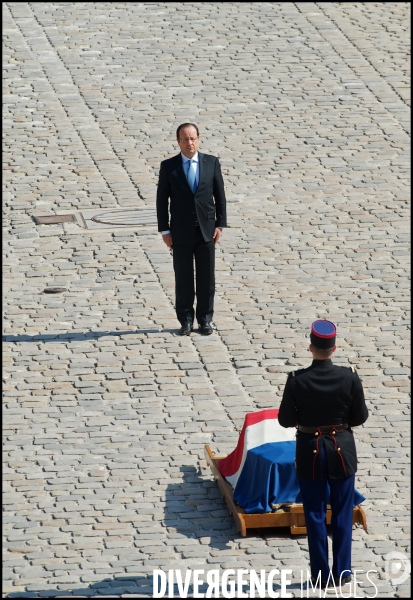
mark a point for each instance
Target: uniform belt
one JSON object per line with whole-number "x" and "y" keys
{"x": 323, "y": 428}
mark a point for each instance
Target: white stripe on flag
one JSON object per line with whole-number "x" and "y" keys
{"x": 264, "y": 432}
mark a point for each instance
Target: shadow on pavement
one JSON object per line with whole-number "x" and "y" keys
{"x": 74, "y": 336}
{"x": 142, "y": 587}
{"x": 194, "y": 509}
{"x": 139, "y": 587}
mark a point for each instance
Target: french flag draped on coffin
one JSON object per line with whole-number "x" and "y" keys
{"x": 261, "y": 469}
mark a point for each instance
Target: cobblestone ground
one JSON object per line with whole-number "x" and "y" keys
{"x": 106, "y": 409}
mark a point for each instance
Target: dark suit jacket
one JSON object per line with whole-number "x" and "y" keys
{"x": 208, "y": 204}
{"x": 324, "y": 394}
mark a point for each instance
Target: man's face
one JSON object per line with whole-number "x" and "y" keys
{"x": 188, "y": 141}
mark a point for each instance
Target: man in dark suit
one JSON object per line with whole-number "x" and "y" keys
{"x": 191, "y": 209}
{"x": 324, "y": 402}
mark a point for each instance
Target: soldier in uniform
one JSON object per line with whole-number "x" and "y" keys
{"x": 324, "y": 402}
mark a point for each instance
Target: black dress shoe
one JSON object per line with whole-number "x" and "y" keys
{"x": 186, "y": 329}
{"x": 205, "y": 329}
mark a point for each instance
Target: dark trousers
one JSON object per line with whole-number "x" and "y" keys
{"x": 183, "y": 259}
{"x": 314, "y": 503}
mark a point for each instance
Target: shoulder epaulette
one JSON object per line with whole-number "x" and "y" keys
{"x": 353, "y": 369}
{"x": 292, "y": 373}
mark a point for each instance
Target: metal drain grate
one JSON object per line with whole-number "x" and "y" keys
{"x": 53, "y": 219}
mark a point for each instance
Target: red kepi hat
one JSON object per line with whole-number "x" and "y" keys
{"x": 323, "y": 334}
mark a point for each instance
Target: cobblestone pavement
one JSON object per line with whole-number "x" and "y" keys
{"x": 106, "y": 409}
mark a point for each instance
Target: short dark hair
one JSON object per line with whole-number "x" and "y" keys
{"x": 186, "y": 125}
{"x": 323, "y": 352}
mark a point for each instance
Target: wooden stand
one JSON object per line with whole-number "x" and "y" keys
{"x": 287, "y": 515}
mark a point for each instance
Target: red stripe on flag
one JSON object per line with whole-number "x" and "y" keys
{"x": 231, "y": 463}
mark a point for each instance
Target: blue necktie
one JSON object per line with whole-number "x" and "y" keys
{"x": 191, "y": 176}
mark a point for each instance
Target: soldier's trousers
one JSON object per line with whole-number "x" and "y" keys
{"x": 314, "y": 503}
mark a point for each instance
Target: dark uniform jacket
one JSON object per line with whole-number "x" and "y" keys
{"x": 207, "y": 205}
{"x": 324, "y": 394}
